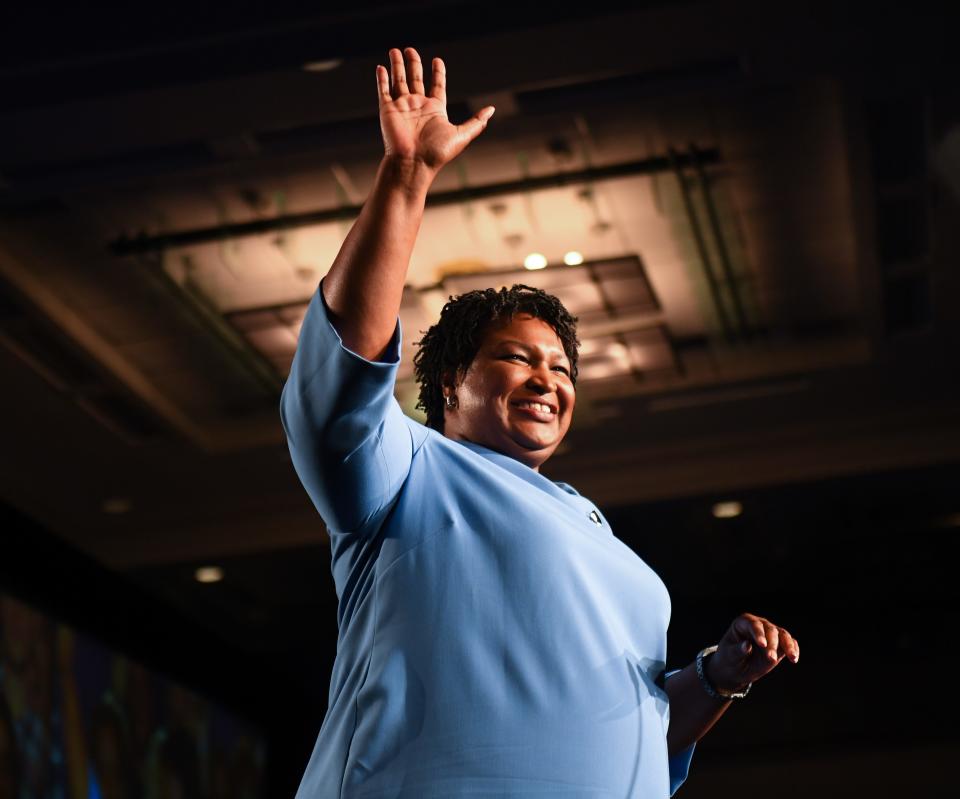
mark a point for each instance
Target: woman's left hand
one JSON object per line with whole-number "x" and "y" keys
{"x": 751, "y": 648}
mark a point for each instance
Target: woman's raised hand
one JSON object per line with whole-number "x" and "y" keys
{"x": 751, "y": 648}
{"x": 415, "y": 124}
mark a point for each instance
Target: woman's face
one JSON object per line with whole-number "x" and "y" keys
{"x": 517, "y": 396}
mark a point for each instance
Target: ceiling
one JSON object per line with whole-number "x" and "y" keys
{"x": 783, "y": 185}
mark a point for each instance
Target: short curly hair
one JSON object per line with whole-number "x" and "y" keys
{"x": 450, "y": 345}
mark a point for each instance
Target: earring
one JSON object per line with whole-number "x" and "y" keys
{"x": 451, "y": 401}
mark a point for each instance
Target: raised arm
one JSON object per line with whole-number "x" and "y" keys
{"x": 364, "y": 286}
{"x": 348, "y": 438}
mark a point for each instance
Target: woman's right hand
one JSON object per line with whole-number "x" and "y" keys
{"x": 415, "y": 124}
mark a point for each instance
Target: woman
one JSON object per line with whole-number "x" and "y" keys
{"x": 495, "y": 637}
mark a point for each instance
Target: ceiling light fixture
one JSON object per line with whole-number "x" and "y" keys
{"x": 322, "y": 66}
{"x": 950, "y": 520}
{"x": 117, "y": 505}
{"x": 727, "y": 510}
{"x": 535, "y": 260}
{"x": 208, "y": 574}
{"x": 573, "y": 258}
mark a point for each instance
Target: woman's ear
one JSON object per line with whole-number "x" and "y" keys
{"x": 449, "y": 389}
{"x": 449, "y": 382}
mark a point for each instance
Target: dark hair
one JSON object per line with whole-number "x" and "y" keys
{"x": 449, "y": 346}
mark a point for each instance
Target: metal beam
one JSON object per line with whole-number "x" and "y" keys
{"x": 678, "y": 161}
{"x": 726, "y": 266}
{"x": 143, "y": 244}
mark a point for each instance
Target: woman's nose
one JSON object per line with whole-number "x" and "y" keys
{"x": 543, "y": 380}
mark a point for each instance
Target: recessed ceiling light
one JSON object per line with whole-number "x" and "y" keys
{"x": 727, "y": 510}
{"x": 208, "y": 574}
{"x": 573, "y": 258}
{"x": 117, "y": 505}
{"x": 535, "y": 260}
{"x": 322, "y": 66}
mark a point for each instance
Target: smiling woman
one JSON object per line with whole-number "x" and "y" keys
{"x": 508, "y": 381}
{"x": 496, "y": 638}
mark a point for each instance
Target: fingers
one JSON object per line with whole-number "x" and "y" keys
{"x": 398, "y": 84}
{"x": 414, "y": 70}
{"x": 772, "y": 634}
{"x": 751, "y": 628}
{"x": 789, "y": 646}
{"x": 474, "y": 126}
{"x": 383, "y": 85}
{"x": 438, "y": 86}
{"x": 775, "y": 641}
{"x": 406, "y": 78}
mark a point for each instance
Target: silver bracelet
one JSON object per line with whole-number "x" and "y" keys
{"x": 716, "y": 693}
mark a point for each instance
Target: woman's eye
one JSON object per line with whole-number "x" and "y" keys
{"x": 562, "y": 369}
{"x": 516, "y": 355}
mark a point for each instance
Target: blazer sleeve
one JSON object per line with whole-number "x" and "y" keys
{"x": 680, "y": 767}
{"x": 348, "y": 438}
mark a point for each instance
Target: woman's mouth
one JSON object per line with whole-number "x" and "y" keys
{"x": 541, "y": 411}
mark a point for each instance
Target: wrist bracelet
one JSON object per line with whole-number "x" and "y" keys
{"x": 715, "y": 692}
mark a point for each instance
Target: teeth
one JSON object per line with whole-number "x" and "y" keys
{"x": 537, "y": 406}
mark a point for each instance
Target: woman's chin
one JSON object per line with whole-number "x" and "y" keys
{"x": 534, "y": 443}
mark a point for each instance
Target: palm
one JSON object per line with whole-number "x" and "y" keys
{"x": 417, "y": 127}
{"x": 415, "y": 124}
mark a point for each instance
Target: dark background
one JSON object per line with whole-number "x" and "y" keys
{"x": 849, "y": 483}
